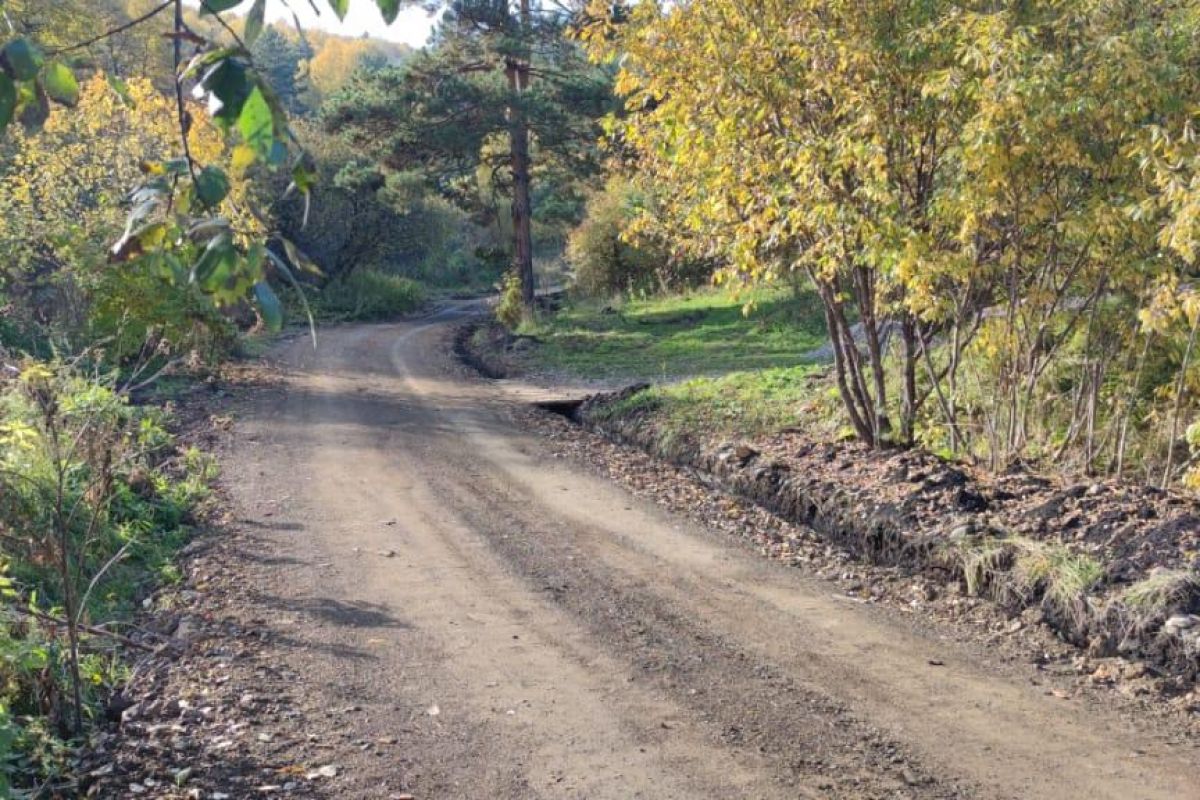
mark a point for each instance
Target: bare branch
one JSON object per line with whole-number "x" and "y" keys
{"x": 154, "y": 12}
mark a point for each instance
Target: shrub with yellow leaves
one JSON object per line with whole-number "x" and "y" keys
{"x": 63, "y": 202}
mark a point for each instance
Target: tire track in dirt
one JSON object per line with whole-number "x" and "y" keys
{"x": 524, "y": 629}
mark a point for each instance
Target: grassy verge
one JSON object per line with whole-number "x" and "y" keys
{"x": 732, "y": 364}
{"x": 739, "y": 404}
{"x": 702, "y": 333}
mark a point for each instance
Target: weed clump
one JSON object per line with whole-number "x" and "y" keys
{"x": 95, "y": 499}
{"x": 367, "y": 294}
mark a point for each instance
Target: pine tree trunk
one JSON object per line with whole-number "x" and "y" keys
{"x": 522, "y": 210}
{"x": 517, "y": 71}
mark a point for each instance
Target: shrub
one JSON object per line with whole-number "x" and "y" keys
{"x": 367, "y": 294}
{"x": 363, "y": 217}
{"x": 136, "y": 304}
{"x": 94, "y": 501}
{"x": 608, "y": 261}
{"x": 510, "y": 311}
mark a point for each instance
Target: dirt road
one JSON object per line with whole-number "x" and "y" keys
{"x": 524, "y": 629}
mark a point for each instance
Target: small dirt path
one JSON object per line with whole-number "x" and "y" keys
{"x": 522, "y": 628}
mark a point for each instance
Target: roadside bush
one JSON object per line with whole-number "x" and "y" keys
{"x": 136, "y": 305}
{"x": 367, "y": 294}
{"x": 608, "y": 260}
{"x": 94, "y": 501}
{"x": 510, "y": 311}
{"x": 62, "y": 204}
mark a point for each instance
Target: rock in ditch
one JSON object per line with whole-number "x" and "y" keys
{"x": 1180, "y": 624}
{"x": 961, "y": 533}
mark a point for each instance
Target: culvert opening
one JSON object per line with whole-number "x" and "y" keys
{"x": 564, "y": 408}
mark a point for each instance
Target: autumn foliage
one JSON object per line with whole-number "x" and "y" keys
{"x": 996, "y": 203}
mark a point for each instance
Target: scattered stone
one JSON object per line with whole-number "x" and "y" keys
{"x": 1134, "y": 671}
{"x": 1034, "y": 615}
{"x": 187, "y": 630}
{"x": 1176, "y": 625}
{"x": 964, "y": 531}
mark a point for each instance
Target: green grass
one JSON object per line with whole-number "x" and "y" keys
{"x": 1161, "y": 591}
{"x": 127, "y": 497}
{"x": 702, "y": 333}
{"x": 738, "y": 404}
{"x": 367, "y": 295}
{"x": 364, "y": 295}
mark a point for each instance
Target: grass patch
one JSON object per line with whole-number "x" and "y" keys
{"x": 1142, "y": 607}
{"x": 364, "y": 295}
{"x": 1015, "y": 570}
{"x": 739, "y": 404}
{"x": 1064, "y": 577}
{"x": 1162, "y": 591}
{"x": 982, "y": 559}
{"x": 701, "y": 333}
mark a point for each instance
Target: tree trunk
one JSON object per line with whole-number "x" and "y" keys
{"x": 522, "y": 211}
{"x": 908, "y": 412}
{"x": 846, "y": 367}
{"x": 517, "y": 71}
{"x": 1177, "y": 406}
{"x": 864, "y": 289}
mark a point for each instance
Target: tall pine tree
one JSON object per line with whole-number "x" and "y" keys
{"x": 280, "y": 59}
{"x": 497, "y": 69}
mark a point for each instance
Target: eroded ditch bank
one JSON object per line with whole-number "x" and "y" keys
{"x": 1112, "y": 568}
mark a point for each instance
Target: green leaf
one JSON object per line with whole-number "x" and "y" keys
{"x": 21, "y": 59}
{"x": 35, "y": 104}
{"x": 254, "y": 21}
{"x": 8, "y": 101}
{"x": 217, "y": 263}
{"x": 282, "y": 266}
{"x": 303, "y": 178}
{"x": 121, "y": 89}
{"x": 60, "y": 83}
{"x": 269, "y": 305}
{"x": 255, "y": 263}
{"x": 297, "y": 257}
{"x": 211, "y": 225}
{"x": 340, "y": 7}
{"x": 211, "y": 186}
{"x": 230, "y": 83}
{"x": 256, "y": 123}
{"x": 390, "y": 10}
{"x": 210, "y": 57}
{"x": 216, "y": 6}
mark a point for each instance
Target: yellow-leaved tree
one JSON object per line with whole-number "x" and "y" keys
{"x": 983, "y": 195}
{"x": 64, "y": 200}
{"x": 798, "y": 137}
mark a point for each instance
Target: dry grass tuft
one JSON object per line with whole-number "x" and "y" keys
{"x": 1015, "y": 570}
